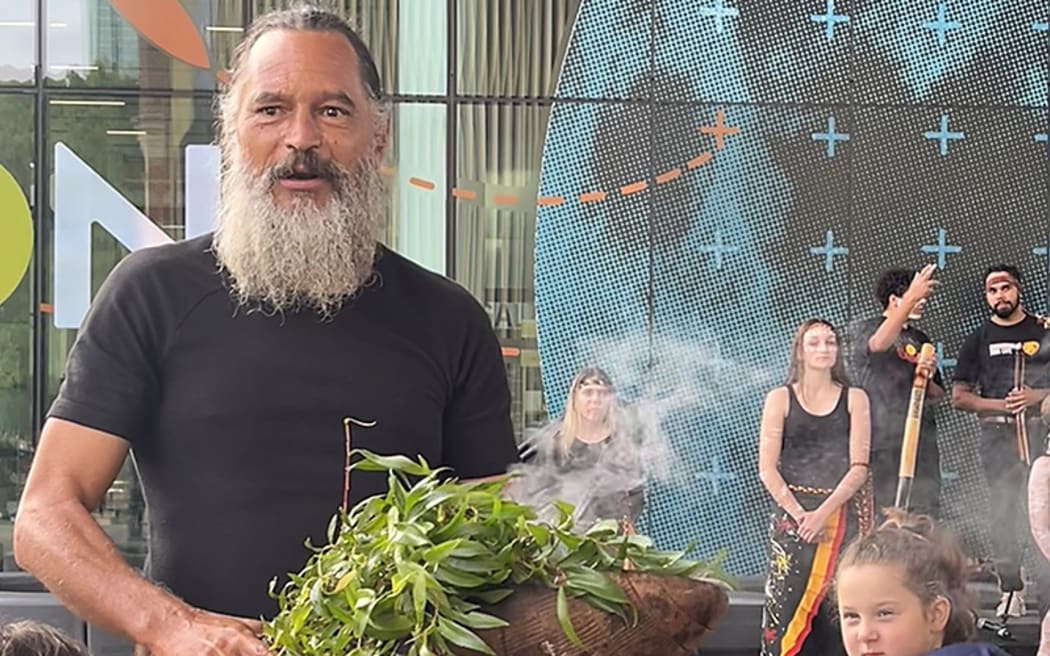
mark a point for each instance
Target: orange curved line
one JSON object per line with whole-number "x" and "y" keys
{"x": 47, "y": 308}
{"x": 550, "y": 201}
{"x": 634, "y": 188}
{"x": 421, "y": 183}
{"x": 592, "y": 197}
{"x": 464, "y": 194}
{"x": 670, "y": 175}
{"x": 699, "y": 160}
{"x": 166, "y": 25}
{"x": 505, "y": 199}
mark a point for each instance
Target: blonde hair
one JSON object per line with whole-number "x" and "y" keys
{"x": 932, "y": 562}
{"x": 569, "y": 420}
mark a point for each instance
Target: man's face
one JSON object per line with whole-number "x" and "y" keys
{"x": 303, "y": 107}
{"x": 1002, "y": 294}
{"x": 302, "y": 200}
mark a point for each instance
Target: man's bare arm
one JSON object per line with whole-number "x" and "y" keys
{"x": 964, "y": 398}
{"x": 58, "y": 541}
{"x": 889, "y": 330}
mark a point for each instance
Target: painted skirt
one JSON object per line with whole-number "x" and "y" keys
{"x": 800, "y": 573}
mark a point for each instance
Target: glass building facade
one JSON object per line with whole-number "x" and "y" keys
{"x": 106, "y": 100}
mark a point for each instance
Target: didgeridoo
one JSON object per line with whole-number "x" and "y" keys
{"x": 910, "y": 444}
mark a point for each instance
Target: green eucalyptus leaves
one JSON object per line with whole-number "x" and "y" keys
{"x": 412, "y": 571}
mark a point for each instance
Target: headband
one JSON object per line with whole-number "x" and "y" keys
{"x": 593, "y": 381}
{"x": 997, "y": 277}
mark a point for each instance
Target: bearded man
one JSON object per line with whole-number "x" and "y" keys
{"x": 985, "y": 385}
{"x": 227, "y": 364}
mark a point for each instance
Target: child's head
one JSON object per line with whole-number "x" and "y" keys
{"x": 901, "y": 590}
{"x": 28, "y": 638}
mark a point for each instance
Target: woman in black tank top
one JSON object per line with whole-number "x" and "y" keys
{"x": 813, "y": 460}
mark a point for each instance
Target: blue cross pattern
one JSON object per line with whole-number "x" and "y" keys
{"x": 1041, "y": 27}
{"x": 944, "y": 363}
{"x": 720, "y": 249}
{"x": 948, "y": 477}
{"x": 1043, "y": 251}
{"x": 1042, "y": 137}
{"x": 830, "y": 20}
{"x": 831, "y": 136}
{"x": 720, "y": 12}
{"x": 944, "y": 135}
{"x": 942, "y": 249}
{"x": 829, "y": 250}
{"x": 716, "y": 475}
{"x": 942, "y": 24}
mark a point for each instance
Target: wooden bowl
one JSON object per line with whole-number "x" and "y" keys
{"x": 675, "y": 615}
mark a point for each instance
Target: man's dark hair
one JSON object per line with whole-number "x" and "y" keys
{"x": 30, "y": 638}
{"x": 313, "y": 19}
{"x": 892, "y": 282}
{"x": 1009, "y": 269}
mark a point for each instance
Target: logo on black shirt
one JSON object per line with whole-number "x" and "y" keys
{"x": 996, "y": 349}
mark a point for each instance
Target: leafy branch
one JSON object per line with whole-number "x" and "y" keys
{"x": 411, "y": 572}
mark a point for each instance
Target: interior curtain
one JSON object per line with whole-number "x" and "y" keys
{"x": 507, "y": 48}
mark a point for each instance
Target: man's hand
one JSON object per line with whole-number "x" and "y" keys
{"x": 927, "y": 368}
{"x": 922, "y": 285}
{"x": 1019, "y": 400}
{"x": 201, "y": 633}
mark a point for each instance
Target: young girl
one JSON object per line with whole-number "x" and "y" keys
{"x": 32, "y": 638}
{"x": 901, "y": 591}
{"x": 813, "y": 460}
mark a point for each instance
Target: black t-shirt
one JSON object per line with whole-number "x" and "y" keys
{"x": 986, "y": 359}
{"x": 235, "y": 418}
{"x": 887, "y": 378}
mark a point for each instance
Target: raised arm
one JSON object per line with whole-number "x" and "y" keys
{"x": 889, "y": 330}
{"x": 770, "y": 442}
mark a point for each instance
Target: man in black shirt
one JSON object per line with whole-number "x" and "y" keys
{"x": 885, "y": 353}
{"x": 984, "y": 384}
{"x": 228, "y": 363}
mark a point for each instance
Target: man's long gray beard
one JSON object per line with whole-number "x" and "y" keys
{"x": 302, "y": 255}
